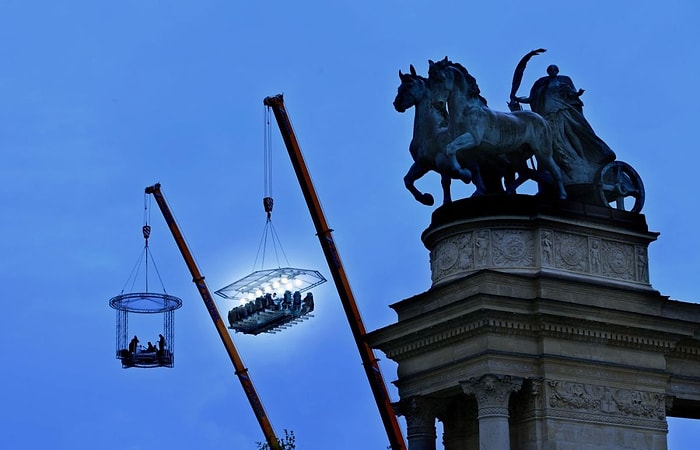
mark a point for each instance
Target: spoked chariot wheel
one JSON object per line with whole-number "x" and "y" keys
{"x": 617, "y": 182}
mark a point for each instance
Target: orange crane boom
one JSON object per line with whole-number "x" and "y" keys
{"x": 369, "y": 360}
{"x": 198, "y": 279}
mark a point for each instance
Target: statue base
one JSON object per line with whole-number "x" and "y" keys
{"x": 541, "y": 331}
{"x": 585, "y": 193}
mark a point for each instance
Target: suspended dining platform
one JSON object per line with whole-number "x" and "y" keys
{"x": 272, "y": 299}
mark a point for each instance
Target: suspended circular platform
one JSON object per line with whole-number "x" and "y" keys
{"x": 273, "y": 299}
{"x": 130, "y": 351}
{"x": 145, "y": 302}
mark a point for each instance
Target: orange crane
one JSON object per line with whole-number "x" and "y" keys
{"x": 369, "y": 360}
{"x": 198, "y": 279}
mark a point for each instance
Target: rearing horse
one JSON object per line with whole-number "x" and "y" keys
{"x": 477, "y": 132}
{"x": 430, "y": 136}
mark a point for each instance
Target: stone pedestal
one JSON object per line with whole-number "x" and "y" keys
{"x": 541, "y": 331}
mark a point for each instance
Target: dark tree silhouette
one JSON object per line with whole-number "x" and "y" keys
{"x": 288, "y": 442}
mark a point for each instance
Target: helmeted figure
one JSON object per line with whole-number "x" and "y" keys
{"x": 578, "y": 151}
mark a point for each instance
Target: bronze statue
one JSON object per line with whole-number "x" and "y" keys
{"x": 430, "y": 136}
{"x": 481, "y": 134}
{"x": 457, "y": 135}
{"x": 577, "y": 149}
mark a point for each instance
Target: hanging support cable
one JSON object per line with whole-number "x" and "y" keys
{"x": 146, "y": 230}
{"x": 268, "y": 201}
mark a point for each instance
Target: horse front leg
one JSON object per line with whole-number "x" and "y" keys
{"x": 415, "y": 172}
{"x": 477, "y": 180}
{"x": 463, "y": 142}
{"x": 446, "y": 182}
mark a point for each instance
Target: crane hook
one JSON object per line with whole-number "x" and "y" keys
{"x": 267, "y": 203}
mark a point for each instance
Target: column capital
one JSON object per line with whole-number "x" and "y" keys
{"x": 420, "y": 413}
{"x": 492, "y": 391}
{"x": 417, "y": 406}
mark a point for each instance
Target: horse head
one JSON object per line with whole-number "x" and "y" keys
{"x": 454, "y": 78}
{"x": 412, "y": 89}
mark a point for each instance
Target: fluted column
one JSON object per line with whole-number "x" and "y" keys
{"x": 492, "y": 393}
{"x": 420, "y": 413}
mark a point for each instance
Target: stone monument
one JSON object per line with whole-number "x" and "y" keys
{"x": 540, "y": 329}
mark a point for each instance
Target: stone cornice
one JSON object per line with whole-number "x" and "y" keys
{"x": 543, "y": 285}
{"x": 536, "y": 326}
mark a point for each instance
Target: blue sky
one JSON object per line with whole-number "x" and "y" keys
{"x": 101, "y": 99}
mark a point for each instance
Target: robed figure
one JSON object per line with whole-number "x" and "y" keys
{"x": 578, "y": 151}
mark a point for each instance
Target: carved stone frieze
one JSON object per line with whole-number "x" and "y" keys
{"x": 513, "y": 248}
{"x": 517, "y": 248}
{"x": 619, "y": 260}
{"x": 589, "y": 398}
{"x": 594, "y": 256}
{"x": 453, "y": 255}
{"x": 642, "y": 264}
{"x": 571, "y": 252}
{"x": 482, "y": 250}
{"x": 547, "y": 248}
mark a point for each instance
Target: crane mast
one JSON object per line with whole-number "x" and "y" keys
{"x": 198, "y": 279}
{"x": 369, "y": 360}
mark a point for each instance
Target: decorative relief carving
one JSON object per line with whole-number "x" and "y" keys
{"x": 594, "y": 254}
{"x": 642, "y": 264}
{"x": 547, "y": 244}
{"x": 446, "y": 257}
{"x": 589, "y": 398}
{"x": 465, "y": 245}
{"x": 575, "y": 396}
{"x": 512, "y": 248}
{"x": 571, "y": 252}
{"x": 452, "y": 255}
{"x": 483, "y": 248}
{"x": 640, "y": 404}
{"x": 519, "y": 248}
{"x": 420, "y": 412}
{"x": 492, "y": 391}
{"x": 618, "y": 260}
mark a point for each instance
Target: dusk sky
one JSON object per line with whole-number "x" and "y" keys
{"x": 101, "y": 99}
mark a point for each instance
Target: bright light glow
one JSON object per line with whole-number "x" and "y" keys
{"x": 272, "y": 281}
